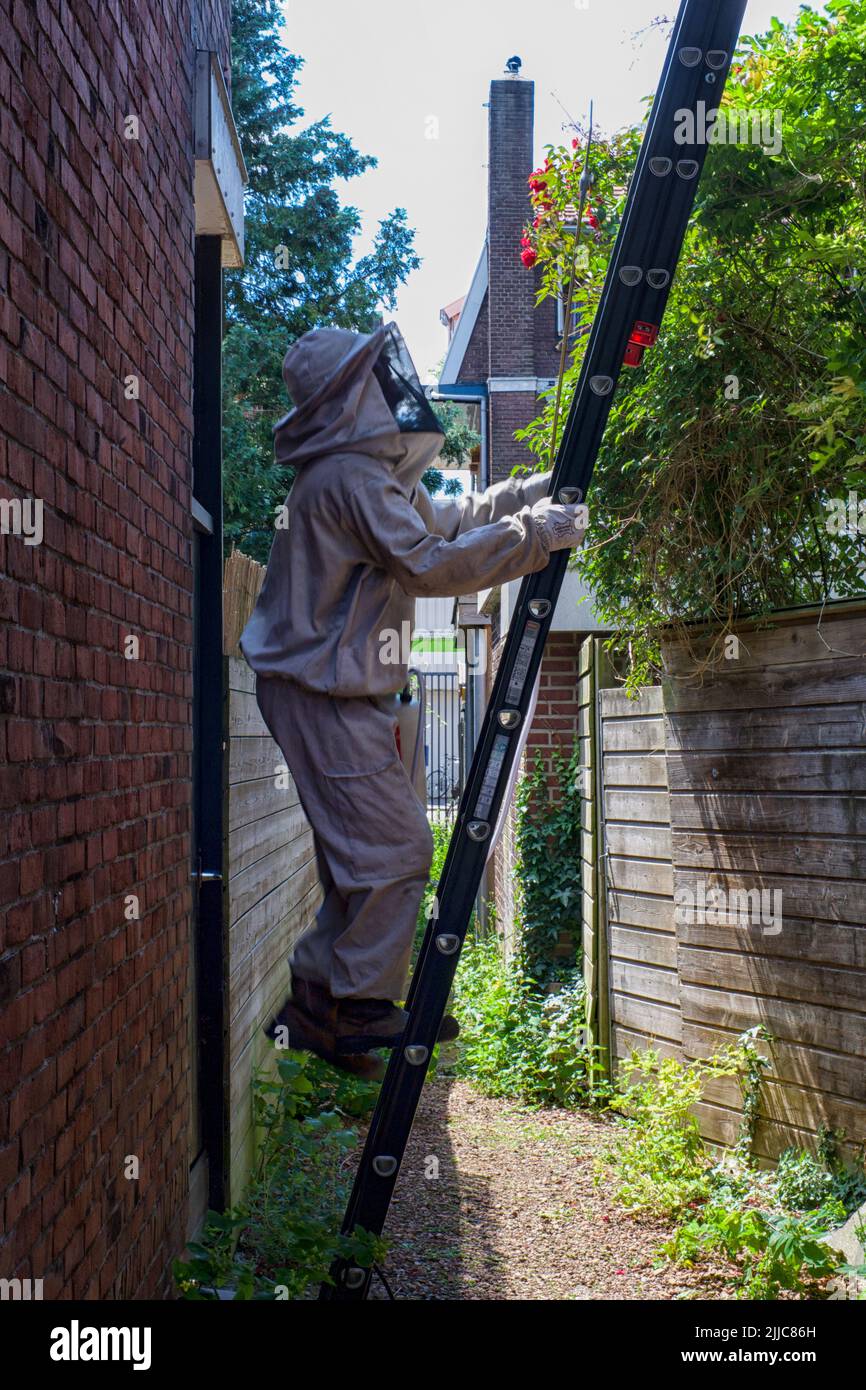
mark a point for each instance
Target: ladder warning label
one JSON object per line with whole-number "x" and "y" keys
{"x": 491, "y": 777}
{"x": 521, "y": 665}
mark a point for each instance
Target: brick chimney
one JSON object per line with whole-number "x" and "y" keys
{"x": 521, "y": 337}
{"x": 512, "y": 289}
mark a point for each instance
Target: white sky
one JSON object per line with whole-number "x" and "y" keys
{"x": 382, "y": 68}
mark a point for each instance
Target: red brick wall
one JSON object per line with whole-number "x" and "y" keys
{"x": 96, "y": 283}
{"x": 511, "y": 287}
{"x": 475, "y": 359}
{"x": 509, "y": 411}
{"x": 554, "y": 724}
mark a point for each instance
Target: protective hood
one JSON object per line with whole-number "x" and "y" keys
{"x": 357, "y": 393}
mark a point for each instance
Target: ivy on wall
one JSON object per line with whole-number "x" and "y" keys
{"x": 547, "y": 868}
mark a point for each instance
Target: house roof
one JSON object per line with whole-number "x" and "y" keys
{"x": 466, "y": 323}
{"x": 452, "y": 310}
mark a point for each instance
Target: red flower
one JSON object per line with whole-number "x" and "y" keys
{"x": 529, "y": 257}
{"x": 575, "y": 144}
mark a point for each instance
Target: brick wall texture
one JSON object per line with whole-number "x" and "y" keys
{"x": 554, "y": 724}
{"x": 96, "y": 284}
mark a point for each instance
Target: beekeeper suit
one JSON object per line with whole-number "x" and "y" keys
{"x": 358, "y": 539}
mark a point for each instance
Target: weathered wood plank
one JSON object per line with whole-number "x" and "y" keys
{"x": 251, "y": 801}
{"x": 807, "y": 981}
{"x": 240, "y": 676}
{"x": 652, "y": 1019}
{"x": 828, "y": 943}
{"x": 640, "y": 875}
{"x": 790, "y": 1021}
{"x": 633, "y": 736}
{"x": 809, "y": 1067}
{"x": 623, "y": 770}
{"x": 625, "y": 1042}
{"x": 830, "y": 857}
{"x": 793, "y": 1106}
{"x": 765, "y": 813}
{"x": 825, "y": 726}
{"x": 616, "y": 704}
{"x": 645, "y": 947}
{"x": 245, "y": 719}
{"x": 251, "y": 842}
{"x": 646, "y": 982}
{"x": 635, "y": 910}
{"x": 783, "y": 644}
{"x": 818, "y": 683}
{"x": 282, "y": 904}
{"x": 253, "y": 758}
{"x": 795, "y": 771}
{"x": 266, "y": 874}
{"x": 639, "y": 841}
{"x": 653, "y": 807}
{"x": 832, "y": 900}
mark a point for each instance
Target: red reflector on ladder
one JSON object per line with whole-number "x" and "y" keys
{"x": 643, "y": 335}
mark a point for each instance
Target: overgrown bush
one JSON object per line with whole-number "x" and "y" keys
{"x": 547, "y": 872}
{"x": 770, "y": 1224}
{"x": 280, "y": 1241}
{"x": 721, "y": 479}
{"x": 515, "y": 1040}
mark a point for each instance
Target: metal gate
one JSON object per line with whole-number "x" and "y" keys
{"x": 444, "y": 745}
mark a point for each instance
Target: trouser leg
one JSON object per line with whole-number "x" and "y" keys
{"x": 372, "y": 838}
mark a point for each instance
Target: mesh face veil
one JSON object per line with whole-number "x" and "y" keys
{"x": 403, "y": 392}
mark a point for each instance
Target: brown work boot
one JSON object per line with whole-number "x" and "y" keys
{"x": 366, "y": 1024}
{"x": 310, "y": 1020}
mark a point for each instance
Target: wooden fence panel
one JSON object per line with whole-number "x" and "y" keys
{"x": 642, "y": 945}
{"x": 767, "y": 773}
{"x": 272, "y": 893}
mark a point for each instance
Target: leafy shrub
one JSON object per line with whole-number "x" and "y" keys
{"x": 662, "y": 1165}
{"x": 730, "y": 449}
{"x": 547, "y": 868}
{"x": 802, "y": 1181}
{"x": 771, "y": 1225}
{"x": 772, "y": 1249}
{"x": 514, "y": 1039}
{"x": 282, "y": 1238}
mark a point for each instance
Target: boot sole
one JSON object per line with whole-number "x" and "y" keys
{"x": 356, "y": 1043}
{"x": 306, "y": 1035}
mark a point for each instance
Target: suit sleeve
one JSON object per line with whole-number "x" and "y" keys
{"x": 426, "y": 564}
{"x": 454, "y": 516}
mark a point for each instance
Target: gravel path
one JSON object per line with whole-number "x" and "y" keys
{"x": 516, "y": 1211}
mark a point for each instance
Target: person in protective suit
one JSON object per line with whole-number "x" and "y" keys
{"x": 364, "y": 538}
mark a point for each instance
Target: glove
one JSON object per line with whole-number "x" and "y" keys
{"x": 561, "y": 525}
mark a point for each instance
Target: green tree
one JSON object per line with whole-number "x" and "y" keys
{"x": 300, "y": 271}
{"x": 728, "y": 451}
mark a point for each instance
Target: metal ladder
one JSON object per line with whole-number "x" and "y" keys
{"x": 658, "y": 207}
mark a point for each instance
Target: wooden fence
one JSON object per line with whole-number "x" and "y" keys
{"x": 749, "y": 782}
{"x": 272, "y": 888}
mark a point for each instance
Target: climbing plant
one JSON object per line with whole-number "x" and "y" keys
{"x": 719, "y": 485}
{"x": 547, "y": 867}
